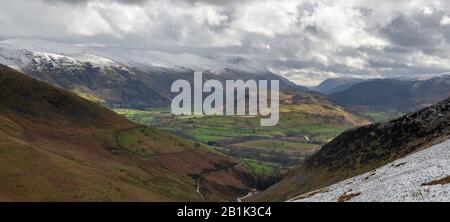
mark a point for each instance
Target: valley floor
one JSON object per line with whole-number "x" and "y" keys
{"x": 422, "y": 176}
{"x": 267, "y": 152}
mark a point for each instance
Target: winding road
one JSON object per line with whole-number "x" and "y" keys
{"x": 197, "y": 181}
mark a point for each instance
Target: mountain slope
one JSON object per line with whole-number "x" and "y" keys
{"x": 363, "y": 149}
{"x": 419, "y": 177}
{"x": 333, "y": 85}
{"x": 56, "y": 146}
{"x": 121, "y": 77}
{"x": 403, "y": 95}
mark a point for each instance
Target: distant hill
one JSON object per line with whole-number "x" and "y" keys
{"x": 333, "y": 85}
{"x": 56, "y": 146}
{"x": 126, "y": 78}
{"x": 394, "y": 94}
{"x": 363, "y": 149}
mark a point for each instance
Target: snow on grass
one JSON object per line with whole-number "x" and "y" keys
{"x": 406, "y": 179}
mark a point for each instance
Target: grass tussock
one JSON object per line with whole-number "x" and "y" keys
{"x": 443, "y": 181}
{"x": 348, "y": 196}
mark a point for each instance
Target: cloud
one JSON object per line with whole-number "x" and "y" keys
{"x": 303, "y": 40}
{"x": 74, "y": 2}
{"x": 445, "y": 21}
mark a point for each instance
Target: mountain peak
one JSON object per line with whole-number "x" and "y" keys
{"x": 133, "y": 57}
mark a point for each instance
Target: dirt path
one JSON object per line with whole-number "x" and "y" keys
{"x": 198, "y": 180}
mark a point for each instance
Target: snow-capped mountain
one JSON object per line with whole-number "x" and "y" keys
{"x": 421, "y": 176}
{"x": 22, "y": 58}
{"x": 132, "y": 78}
{"x": 20, "y": 52}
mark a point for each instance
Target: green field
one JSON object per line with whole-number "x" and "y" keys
{"x": 383, "y": 116}
{"x": 221, "y": 128}
{"x": 260, "y": 167}
{"x": 297, "y": 136}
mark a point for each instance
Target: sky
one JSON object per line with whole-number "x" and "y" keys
{"x": 305, "y": 41}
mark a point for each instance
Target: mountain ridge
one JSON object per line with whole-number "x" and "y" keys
{"x": 403, "y": 95}
{"x": 119, "y": 77}
{"x": 333, "y": 85}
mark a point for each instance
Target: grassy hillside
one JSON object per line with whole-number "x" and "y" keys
{"x": 55, "y": 146}
{"x": 363, "y": 149}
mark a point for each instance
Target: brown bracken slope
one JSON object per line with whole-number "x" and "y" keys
{"x": 56, "y": 146}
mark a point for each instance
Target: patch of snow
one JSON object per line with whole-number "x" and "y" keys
{"x": 19, "y": 57}
{"x": 401, "y": 180}
{"x": 15, "y": 58}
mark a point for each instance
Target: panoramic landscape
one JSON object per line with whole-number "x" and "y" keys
{"x": 360, "y": 92}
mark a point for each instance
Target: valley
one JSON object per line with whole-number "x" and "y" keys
{"x": 241, "y": 156}
{"x": 224, "y": 101}
{"x": 307, "y": 121}
{"x": 137, "y": 86}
